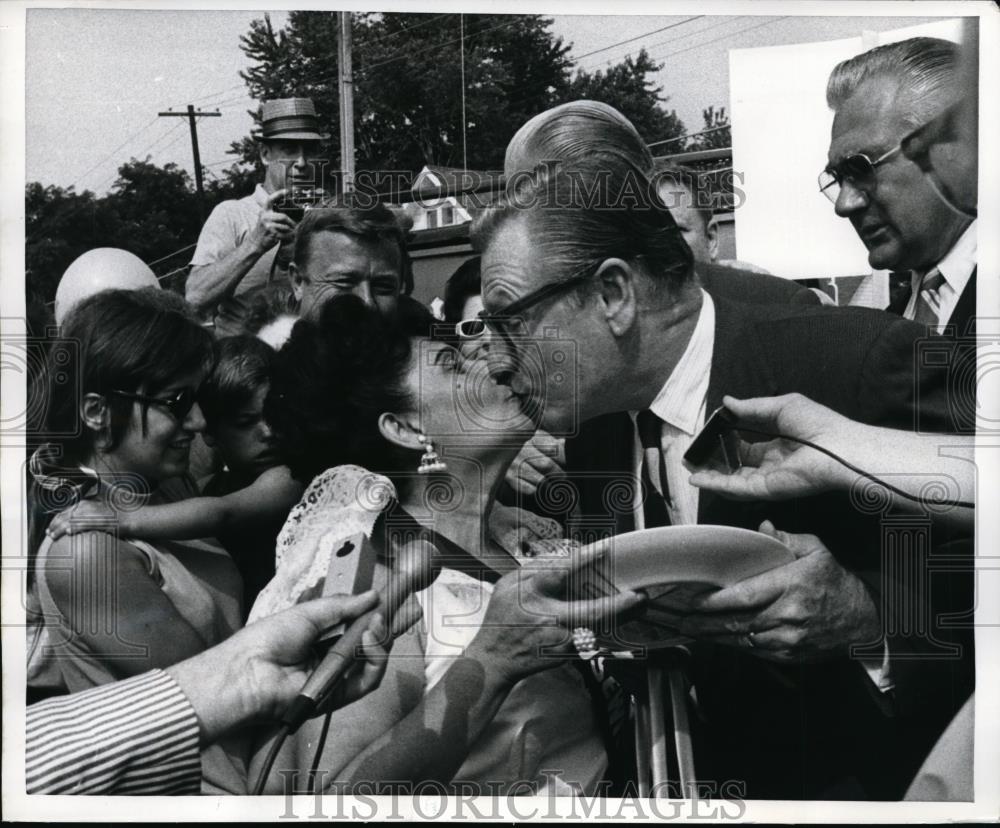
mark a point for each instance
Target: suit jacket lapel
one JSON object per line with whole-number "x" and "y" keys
{"x": 739, "y": 366}
{"x": 964, "y": 315}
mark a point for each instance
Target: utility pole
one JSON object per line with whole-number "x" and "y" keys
{"x": 191, "y": 114}
{"x": 346, "y": 89}
{"x": 461, "y": 28}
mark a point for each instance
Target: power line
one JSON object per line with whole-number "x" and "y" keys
{"x": 436, "y": 46}
{"x": 383, "y": 39}
{"x": 399, "y": 56}
{"x": 223, "y": 161}
{"x": 528, "y": 96}
{"x": 144, "y": 152}
{"x": 171, "y": 255}
{"x": 79, "y": 178}
{"x": 668, "y": 40}
{"x": 637, "y": 37}
{"x": 174, "y": 271}
{"x": 407, "y": 29}
{"x": 689, "y": 135}
{"x": 426, "y": 119}
{"x": 722, "y": 37}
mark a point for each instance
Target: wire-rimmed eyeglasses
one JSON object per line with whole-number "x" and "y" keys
{"x": 858, "y": 170}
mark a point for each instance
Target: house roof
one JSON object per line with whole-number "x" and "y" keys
{"x": 433, "y": 181}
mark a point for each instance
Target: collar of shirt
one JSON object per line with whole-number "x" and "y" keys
{"x": 260, "y": 195}
{"x": 956, "y": 267}
{"x": 680, "y": 404}
{"x": 683, "y": 394}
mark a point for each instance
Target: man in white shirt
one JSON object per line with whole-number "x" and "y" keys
{"x": 789, "y": 711}
{"x": 246, "y": 243}
{"x": 881, "y": 99}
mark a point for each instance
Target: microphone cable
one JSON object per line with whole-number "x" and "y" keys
{"x": 963, "y": 504}
{"x": 413, "y": 578}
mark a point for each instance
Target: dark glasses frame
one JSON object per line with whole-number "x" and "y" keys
{"x": 179, "y": 405}
{"x": 473, "y": 328}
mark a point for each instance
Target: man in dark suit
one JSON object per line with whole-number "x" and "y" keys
{"x": 882, "y": 99}
{"x": 789, "y": 711}
{"x": 804, "y": 719}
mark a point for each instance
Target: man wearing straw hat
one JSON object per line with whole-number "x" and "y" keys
{"x": 246, "y": 242}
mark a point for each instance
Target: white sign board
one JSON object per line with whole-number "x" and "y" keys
{"x": 781, "y": 132}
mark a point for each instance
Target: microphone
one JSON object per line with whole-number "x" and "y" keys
{"x": 414, "y": 571}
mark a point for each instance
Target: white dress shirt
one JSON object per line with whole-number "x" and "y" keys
{"x": 956, "y": 267}
{"x": 680, "y": 404}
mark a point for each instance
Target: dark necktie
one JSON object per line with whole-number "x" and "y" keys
{"x": 654, "y": 470}
{"x": 928, "y": 306}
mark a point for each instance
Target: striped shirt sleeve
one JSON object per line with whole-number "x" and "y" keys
{"x": 137, "y": 736}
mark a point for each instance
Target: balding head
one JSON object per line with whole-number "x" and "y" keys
{"x": 576, "y": 131}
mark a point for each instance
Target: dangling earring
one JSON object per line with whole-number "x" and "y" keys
{"x": 429, "y": 460}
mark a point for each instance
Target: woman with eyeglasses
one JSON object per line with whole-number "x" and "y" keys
{"x": 124, "y": 376}
{"x": 398, "y": 436}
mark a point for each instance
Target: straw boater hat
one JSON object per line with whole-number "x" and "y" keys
{"x": 289, "y": 119}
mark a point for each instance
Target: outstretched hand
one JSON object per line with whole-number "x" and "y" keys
{"x": 781, "y": 469}
{"x": 258, "y": 671}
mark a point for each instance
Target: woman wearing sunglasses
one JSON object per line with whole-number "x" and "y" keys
{"x": 122, "y": 415}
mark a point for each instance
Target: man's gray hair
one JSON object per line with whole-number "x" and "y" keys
{"x": 922, "y": 65}
{"x": 576, "y": 131}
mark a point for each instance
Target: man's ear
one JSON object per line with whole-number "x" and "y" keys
{"x": 616, "y": 281}
{"x": 399, "y": 431}
{"x": 712, "y": 233}
{"x": 95, "y": 414}
{"x": 265, "y": 153}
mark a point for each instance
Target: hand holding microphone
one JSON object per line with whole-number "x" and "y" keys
{"x": 414, "y": 570}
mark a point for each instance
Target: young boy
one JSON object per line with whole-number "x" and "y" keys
{"x": 244, "y": 505}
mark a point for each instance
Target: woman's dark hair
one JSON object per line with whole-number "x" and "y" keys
{"x": 332, "y": 380}
{"x": 242, "y": 366}
{"x": 462, "y": 285}
{"x": 119, "y": 340}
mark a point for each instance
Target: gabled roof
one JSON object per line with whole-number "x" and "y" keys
{"x": 433, "y": 180}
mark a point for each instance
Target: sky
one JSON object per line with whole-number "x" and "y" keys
{"x": 96, "y": 78}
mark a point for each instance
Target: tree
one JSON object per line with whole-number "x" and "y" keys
{"x": 629, "y": 89}
{"x": 150, "y": 211}
{"x": 720, "y": 135}
{"x": 407, "y": 88}
{"x": 157, "y": 210}
{"x": 407, "y": 83}
{"x": 60, "y": 224}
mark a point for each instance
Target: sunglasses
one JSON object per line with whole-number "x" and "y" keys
{"x": 179, "y": 405}
{"x": 858, "y": 170}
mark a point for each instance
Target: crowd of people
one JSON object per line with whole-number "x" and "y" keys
{"x": 221, "y": 453}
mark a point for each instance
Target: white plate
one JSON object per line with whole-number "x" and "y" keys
{"x": 673, "y": 565}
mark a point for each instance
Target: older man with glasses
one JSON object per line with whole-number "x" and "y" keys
{"x": 889, "y": 102}
{"x": 597, "y": 322}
